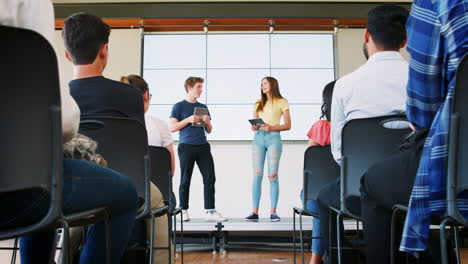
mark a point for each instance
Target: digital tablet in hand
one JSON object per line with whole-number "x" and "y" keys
{"x": 256, "y": 122}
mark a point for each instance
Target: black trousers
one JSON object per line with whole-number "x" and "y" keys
{"x": 201, "y": 154}
{"x": 385, "y": 184}
{"x": 329, "y": 196}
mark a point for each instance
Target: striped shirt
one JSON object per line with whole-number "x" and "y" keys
{"x": 437, "y": 41}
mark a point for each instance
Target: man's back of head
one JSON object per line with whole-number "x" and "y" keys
{"x": 84, "y": 35}
{"x": 387, "y": 26}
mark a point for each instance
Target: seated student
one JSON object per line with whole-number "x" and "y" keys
{"x": 437, "y": 42}
{"x": 86, "y": 185}
{"x": 319, "y": 135}
{"x": 375, "y": 89}
{"x": 86, "y": 41}
{"x": 158, "y": 135}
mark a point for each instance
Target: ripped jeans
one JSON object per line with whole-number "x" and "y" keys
{"x": 266, "y": 144}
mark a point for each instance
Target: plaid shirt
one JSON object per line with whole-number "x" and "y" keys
{"x": 437, "y": 41}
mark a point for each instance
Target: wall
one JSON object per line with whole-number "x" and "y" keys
{"x": 233, "y": 159}
{"x": 124, "y": 54}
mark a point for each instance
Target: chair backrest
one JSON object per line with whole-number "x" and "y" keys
{"x": 161, "y": 171}
{"x": 457, "y": 176}
{"x": 31, "y": 131}
{"x": 124, "y": 145}
{"x": 365, "y": 142}
{"x": 319, "y": 169}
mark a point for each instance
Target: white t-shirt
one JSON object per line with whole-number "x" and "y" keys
{"x": 38, "y": 15}
{"x": 377, "y": 88}
{"x": 158, "y": 131}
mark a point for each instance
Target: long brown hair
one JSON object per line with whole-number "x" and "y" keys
{"x": 274, "y": 90}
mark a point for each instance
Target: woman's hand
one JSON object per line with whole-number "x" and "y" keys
{"x": 265, "y": 127}
{"x": 254, "y": 128}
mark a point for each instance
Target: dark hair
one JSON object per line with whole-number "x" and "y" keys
{"x": 84, "y": 34}
{"x": 327, "y": 96}
{"x": 136, "y": 81}
{"x": 191, "y": 81}
{"x": 275, "y": 92}
{"x": 387, "y": 26}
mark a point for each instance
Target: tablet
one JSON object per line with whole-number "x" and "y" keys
{"x": 256, "y": 122}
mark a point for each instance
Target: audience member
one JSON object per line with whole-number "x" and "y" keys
{"x": 319, "y": 135}
{"x": 86, "y": 185}
{"x": 86, "y": 41}
{"x": 437, "y": 42}
{"x": 375, "y": 89}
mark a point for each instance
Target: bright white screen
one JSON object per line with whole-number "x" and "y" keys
{"x": 233, "y": 66}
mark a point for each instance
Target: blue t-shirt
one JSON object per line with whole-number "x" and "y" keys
{"x": 189, "y": 134}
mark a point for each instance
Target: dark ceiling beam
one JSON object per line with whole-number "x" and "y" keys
{"x": 221, "y": 10}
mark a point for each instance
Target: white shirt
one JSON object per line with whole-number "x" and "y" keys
{"x": 38, "y": 15}
{"x": 158, "y": 131}
{"x": 377, "y": 88}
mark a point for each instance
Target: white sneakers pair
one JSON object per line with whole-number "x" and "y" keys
{"x": 211, "y": 215}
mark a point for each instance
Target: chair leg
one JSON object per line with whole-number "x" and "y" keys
{"x": 66, "y": 242}
{"x": 457, "y": 248}
{"x": 301, "y": 238}
{"x": 358, "y": 237}
{"x": 443, "y": 246}
{"x": 151, "y": 253}
{"x": 107, "y": 226}
{"x": 330, "y": 224}
{"x": 338, "y": 237}
{"x": 181, "y": 239}
{"x": 294, "y": 236}
{"x": 169, "y": 253}
{"x": 13, "y": 254}
{"x": 392, "y": 237}
{"x": 174, "y": 233}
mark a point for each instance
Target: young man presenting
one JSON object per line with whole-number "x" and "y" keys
{"x": 193, "y": 147}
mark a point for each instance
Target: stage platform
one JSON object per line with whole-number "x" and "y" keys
{"x": 239, "y": 224}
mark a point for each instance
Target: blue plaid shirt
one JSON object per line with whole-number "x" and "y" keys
{"x": 437, "y": 41}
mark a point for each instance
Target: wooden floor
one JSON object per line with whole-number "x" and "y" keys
{"x": 230, "y": 257}
{"x": 262, "y": 257}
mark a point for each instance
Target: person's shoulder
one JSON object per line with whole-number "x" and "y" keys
{"x": 180, "y": 103}
{"x": 322, "y": 123}
{"x": 282, "y": 100}
{"x": 258, "y": 102}
{"x": 198, "y": 104}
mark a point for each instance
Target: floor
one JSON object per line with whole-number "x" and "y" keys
{"x": 230, "y": 257}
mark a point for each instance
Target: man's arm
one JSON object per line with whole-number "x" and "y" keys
{"x": 425, "y": 84}
{"x": 170, "y": 147}
{"x": 176, "y": 125}
{"x": 44, "y": 24}
{"x": 338, "y": 120}
{"x": 208, "y": 125}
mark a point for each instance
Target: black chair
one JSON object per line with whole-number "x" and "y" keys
{"x": 31, "y": 137}
{"x": 161, "y": 176}
{"x": 456, "y": 182}
{"x": 319, "y": 169}
{"x": 364, "y": 142}
{"x": 123, "y": 143}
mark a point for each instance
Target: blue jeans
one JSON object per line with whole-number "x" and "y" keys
{"x": 86, "y": 186}
{"x": 317, "y": 243}
{"x": 266, "y": 144}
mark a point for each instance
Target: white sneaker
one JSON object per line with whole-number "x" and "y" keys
{"x": 185, "y": 216}
{"x": 213, "y": 216}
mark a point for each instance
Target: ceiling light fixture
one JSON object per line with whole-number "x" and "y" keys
{"x": 272, "y": 25}
{"x": 206, "y": 22}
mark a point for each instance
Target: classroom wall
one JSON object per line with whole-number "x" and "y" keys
{"x": 233, "y": 159}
